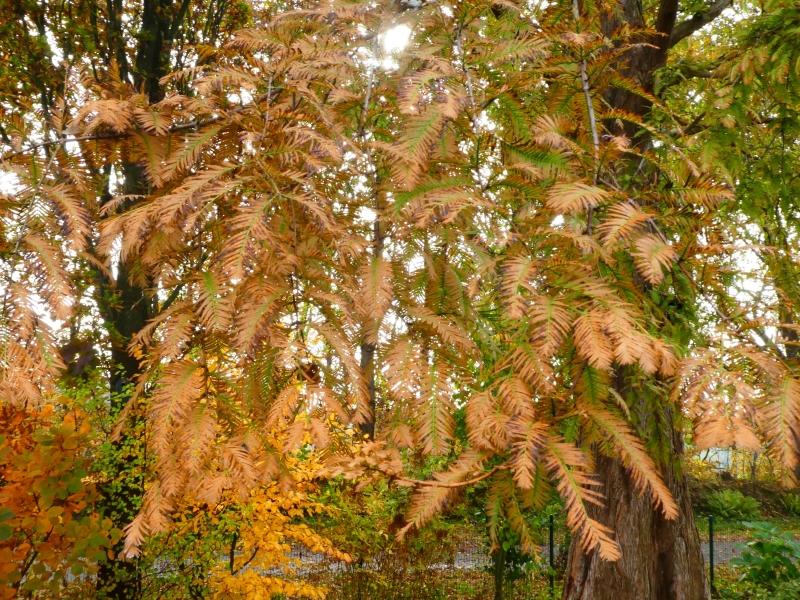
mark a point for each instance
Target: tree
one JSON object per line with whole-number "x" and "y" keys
{"x": 746, "y": 122}
{"x": 80, "y": 47}
{"x": 660, "y": 552}
{"x": 745, "y": 388}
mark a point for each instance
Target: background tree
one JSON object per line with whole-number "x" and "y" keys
{"x": 126, "y": 47}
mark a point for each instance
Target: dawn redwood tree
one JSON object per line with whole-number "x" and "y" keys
{"x": 516, "y": 269}
{"x": 732, "y": 86}
{"x": 660, "y": 556}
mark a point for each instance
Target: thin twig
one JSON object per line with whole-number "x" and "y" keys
{"x": 592, "y": 117}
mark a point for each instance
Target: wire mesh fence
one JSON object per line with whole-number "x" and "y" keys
{"x": 721, "y": 541}
{"x": 463, "y": 564}
{"x": 467, "y": 566}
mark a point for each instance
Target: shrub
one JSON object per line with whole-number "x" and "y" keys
{"x": 770, "y": 557}
{"x": 701, "y": 470}
{"x": 791, "y": 503}
{"x": 732, "y": 504}
{"x": 729, "y": 586}
{"x": 51, "y": 537}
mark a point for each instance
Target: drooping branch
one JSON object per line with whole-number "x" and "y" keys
{"x": 452, "y": 484}
{"x": 697, "y": 21}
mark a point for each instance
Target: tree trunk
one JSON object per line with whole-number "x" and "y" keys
{"x": 125, "y": 314}
{"x": 368, "y": 369}
{"x": 661, "y": 559}
{"x": 499, "y": 572}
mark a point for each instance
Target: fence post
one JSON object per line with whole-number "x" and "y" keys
{"x": 499, "y": 560}
{"x": 711, "y": 551}
{"x": 552, "y": 557}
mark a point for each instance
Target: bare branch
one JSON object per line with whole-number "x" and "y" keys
{"x": 701, "y": 19}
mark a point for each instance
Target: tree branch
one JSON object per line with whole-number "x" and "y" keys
{"x": 587, "y": 94}
{"x": 665, "y": 19}
{"x": 177, "y": 128}
{"x": 701, "y": 19}
{"x": 448, "y": 484}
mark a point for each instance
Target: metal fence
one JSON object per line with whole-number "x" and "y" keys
{"x": 469, "y": 562}
{"x": 462, "y": 565}
{"x": 721, "y": 542}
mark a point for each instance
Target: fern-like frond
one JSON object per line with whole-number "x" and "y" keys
{"x": 653, "y": 256}
{"x": 706, "y": 193}
{"x": 528, "y": 436}
{"x": 621, "y": 221}
{"x": 375, "y": 295}
{"x": 190, "y": 148}
{"x": 530, "y": 366}
{"x": 515, "y": 273}
{"x": 575, "y": 196}
{"x": 435, "y": 422}
{"x": 569, "y": 467}
{"x": 447, "y": 331}
{"x": 77, "y": 221}
{"x": 479, "y": 416}
{"x": 196, "y": 438}
{"x": 181, "y": 385}
{"x": 591, "y": 340}
{"x": 634, "y": 456}
{"x": 283, "y": 407}
{"x": 536, "y": 162}
{"x": 54, "y": 281}
{"x": 782, "y": 422}
{"x": 430, "y": 500}
{"x": 550, "y": 323}
{"x": 213, "y": 304}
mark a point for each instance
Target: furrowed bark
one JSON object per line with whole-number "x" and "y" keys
{"x": 661, "y": 559}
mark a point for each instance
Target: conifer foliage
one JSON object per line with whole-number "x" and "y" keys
{"x": 340, "y": 237}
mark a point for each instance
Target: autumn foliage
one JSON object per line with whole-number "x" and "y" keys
{"x": 463, "y": 263}
{"x": 51, "y": 537}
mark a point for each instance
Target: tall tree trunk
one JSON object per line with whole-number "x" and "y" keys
{"x": 367, "y": 427}
{"x": 368, "y": 348}
{"x": 126, "y": 307}
{"x": 661, "y": 559}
